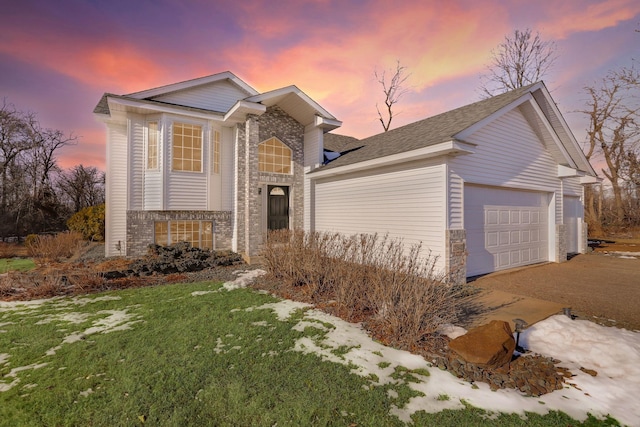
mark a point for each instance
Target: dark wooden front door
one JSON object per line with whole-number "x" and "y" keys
{"x": 278, "y": 207}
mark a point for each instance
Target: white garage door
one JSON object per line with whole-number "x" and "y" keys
{"x": 505, "y": 228}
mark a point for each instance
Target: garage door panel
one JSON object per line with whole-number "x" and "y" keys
{"x": 512, "y": 231}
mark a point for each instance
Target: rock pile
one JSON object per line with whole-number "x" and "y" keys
{"x": 533, "y": 375}
{"x": 486, "y": 354}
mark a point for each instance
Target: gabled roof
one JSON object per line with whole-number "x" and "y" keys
{"x": 291, "y": 99}
{"x": 339, "y": 143}
{"x": 450, "y": 127}
{"x": 193, "y": 83}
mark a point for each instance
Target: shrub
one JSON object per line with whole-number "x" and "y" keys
{"x": 52, "y": 248}
{"x": 6, "y": 286}
{"x": 181, "y": 257}
{"x": 86, "y": 281}
{"x": 368, "y": 278}
{"x": 47, "y": 286}
{"x": 12, "y": 250}
{"x": 89, "y": 222}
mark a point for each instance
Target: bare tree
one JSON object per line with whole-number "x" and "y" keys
{"x": 521, "y": 59}
{"x": 613, "y": 108}
{"x": 393, "y": 91}
{"x": 29, "y": 201}
{"x": 15, "y": 139}
{"x": 83, "y": 186}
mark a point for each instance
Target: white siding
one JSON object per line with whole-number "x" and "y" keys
{"x": 509, "y": 154}
{"x": 313, "y": 156}
{"x": 153, "y": 190}
{"x": 136, "y": 165}
{"x": 405, "y": 201}
{"x": 218, "y": 96}
{"x": 116, "y": 189}
{"x": 573, "y": 214}
{"x": 227, "y": 165}
{"x": 187, "y": 191}
{"x": 572, "y": 187}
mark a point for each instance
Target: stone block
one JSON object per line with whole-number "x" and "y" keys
{"x": 490, "y": 345}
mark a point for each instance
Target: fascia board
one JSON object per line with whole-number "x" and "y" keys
{"x": 567, "y": 172}
{"x": 452, "y": 147}
{"x": 327, "y": 124}
{"x": 553, "y": 133}
{"x": 241, "y": 108}
{"x": 566, "y": 128}
{"x": 590, "y": 180}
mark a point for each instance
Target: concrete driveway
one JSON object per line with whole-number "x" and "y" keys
{"x": 602, "y": 287}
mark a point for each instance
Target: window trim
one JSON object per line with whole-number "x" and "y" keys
{"x": 156, "y": 145}
{"x": 215, "y": 152}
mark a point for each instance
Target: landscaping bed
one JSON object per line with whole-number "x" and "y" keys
{"x": 88, "y": 272}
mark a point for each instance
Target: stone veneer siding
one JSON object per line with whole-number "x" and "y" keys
{"x": 252, "y": 184}
{"x": 456, "y": 256}
{"x": 561, "y": 243}
{"x": 141, "y": 229}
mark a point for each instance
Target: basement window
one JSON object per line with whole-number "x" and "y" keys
{"x": 198, "y": 233}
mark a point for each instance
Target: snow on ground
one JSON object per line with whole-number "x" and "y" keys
{"x": 243, "y": 279}
{"x": 613, "y": 353}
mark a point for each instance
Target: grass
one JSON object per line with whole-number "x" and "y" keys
{"x": 188, "y": 354}
{"x": 16, "y": 264}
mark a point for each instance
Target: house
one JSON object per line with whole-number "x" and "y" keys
{"x": 488, "y": 186}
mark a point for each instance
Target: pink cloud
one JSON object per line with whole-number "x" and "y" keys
{"x": 567, "y": 17}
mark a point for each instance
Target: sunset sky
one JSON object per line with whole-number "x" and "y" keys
{"x": 58, "y": 57}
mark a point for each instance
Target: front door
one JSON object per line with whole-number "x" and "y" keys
{"x": 278, "y": 207}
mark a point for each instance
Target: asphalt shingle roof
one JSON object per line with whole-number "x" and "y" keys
{"x": 433, "y": 130}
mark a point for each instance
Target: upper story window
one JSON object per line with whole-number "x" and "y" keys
{"x": 274, "y": 156}
{"x": 187, "y": 147}
{"x": 152, "y": 145}
{"x": 216, "y": 152}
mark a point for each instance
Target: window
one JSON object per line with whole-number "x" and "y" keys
{"x": 198, "y": 233}
{"x": 162, "y": 233}
{"x": 216, "y": 152}
{"x": 152, "y": 145}
{"x": 187, "y": 147}
{"x": 274, "y": 156}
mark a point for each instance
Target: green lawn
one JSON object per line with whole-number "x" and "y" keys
{"x": 187, "y": 354}
{"x": 15, "y": 264}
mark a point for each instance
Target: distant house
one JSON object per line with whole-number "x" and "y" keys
{"x": 489, "y": 186}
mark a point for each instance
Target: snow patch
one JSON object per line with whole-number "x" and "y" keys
{"x": 199, "y": 293}
{"x": 283, "y": 309}
{"x": 613, "y": 353}
{"x": 13, "y": 374}
{"x": 118, "y": 320}
{"x": 244, "y": 278}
